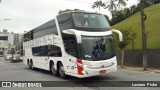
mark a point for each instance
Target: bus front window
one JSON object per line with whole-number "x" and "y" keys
{"x": 90, "y": 20}
{"x": 97, "y": 48}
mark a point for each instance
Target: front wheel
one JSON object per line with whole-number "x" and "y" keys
{"x": 12, "y": 61}
{"x": 62, "y": 71}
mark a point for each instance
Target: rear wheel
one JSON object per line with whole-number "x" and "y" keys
{"x": 53, "y": 70}
{"x": 31, "y": 65}
{"x": 62, "y": 71}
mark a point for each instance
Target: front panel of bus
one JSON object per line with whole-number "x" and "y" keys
{"x": 95, "y": 54}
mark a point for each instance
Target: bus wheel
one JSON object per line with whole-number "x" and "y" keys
{"x": 61, "y": 71}
{"x": 53, "y": 70}
{"x": 31, "y": 65}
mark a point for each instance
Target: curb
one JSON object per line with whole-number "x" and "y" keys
{"x": 158, "y": 72}
{"x": 135, "y": 69}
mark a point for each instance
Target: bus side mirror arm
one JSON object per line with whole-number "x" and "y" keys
{"x": 119, "y": 33}
{"x": 77, "y": 35}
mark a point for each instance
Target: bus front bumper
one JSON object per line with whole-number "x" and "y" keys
{"x": 87, "y": 72}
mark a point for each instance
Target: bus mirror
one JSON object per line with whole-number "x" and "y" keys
{"x": 119, "y": 33}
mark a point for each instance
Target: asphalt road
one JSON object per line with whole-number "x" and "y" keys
{"x": 19, "y": 72}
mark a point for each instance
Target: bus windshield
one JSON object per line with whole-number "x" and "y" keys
{"x": 90, "y": 20}
{"x": 97, "y": 48}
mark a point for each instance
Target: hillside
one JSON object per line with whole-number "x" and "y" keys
{"x": 152, "y": 25}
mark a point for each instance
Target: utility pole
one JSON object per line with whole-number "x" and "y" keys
{"x": 143, "y": 17}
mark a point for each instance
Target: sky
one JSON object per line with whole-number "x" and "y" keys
{"x": 25, "y": 15}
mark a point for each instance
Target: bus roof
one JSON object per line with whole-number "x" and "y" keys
{"x": 69, "y": 12}
{"x": 50, "y": 26}
{"x": 51, "y": 22}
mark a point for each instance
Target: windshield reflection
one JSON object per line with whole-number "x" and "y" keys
{"x": 90, "y": 20}
{"x": 97, "y": 48}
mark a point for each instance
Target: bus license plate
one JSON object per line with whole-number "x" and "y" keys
{"x": 102, "y": 72}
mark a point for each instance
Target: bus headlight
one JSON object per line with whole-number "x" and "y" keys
{"x": 84, "y": 72}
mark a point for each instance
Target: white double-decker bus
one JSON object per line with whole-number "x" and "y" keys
{"x": 78, "y": 44}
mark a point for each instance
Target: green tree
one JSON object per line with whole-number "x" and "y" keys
{"x": 98, "y": 4}
{"x": 156, "y": 1}
{"x": 111, "y": 5}
{"x": 126, "y": 12}
{"x": 127, "y": 38}
{"x": 122, "y": 3}
{"x": 107, "y": 19}
{"x": 118, "y": 16}
{"x": 133, "y": 9}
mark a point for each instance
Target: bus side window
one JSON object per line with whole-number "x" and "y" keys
{"x": 43, "y": 50}
{"x": 70, "y": 47}
{"x": 35, "y": 51}
{"x": 54, "y": 51}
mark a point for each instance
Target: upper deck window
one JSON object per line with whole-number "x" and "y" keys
{"x": 90, "y": 20}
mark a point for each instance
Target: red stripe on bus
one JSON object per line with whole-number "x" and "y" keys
{"x": 79, "y": 68}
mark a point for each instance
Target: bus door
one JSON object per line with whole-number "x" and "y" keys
{"x": 71, "y": 54}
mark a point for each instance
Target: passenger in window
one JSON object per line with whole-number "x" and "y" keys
{"x": 55, "y": 51}
{"x": 96, "y": 52}
{"x": 102, "y": 43}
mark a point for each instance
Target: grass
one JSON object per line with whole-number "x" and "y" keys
{"x": 152, "y": 25}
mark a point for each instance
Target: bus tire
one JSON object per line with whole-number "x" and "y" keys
{"x": 53, "y": 70}
{"x": 61, "y": 71}
{"x": 31, "y": 64}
